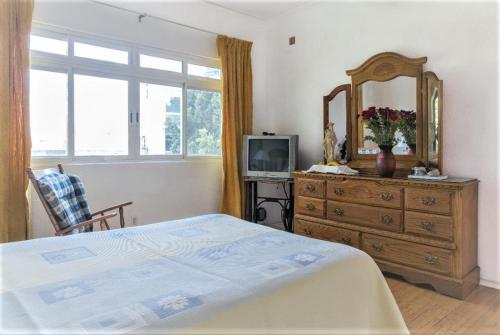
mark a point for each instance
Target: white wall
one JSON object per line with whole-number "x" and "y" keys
{"x": 460, "y": 40}
{"x": 160, "y": 190}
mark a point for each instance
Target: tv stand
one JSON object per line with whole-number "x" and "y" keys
{"x": 254, "y": 201}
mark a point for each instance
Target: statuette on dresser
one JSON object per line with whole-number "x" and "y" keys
{"x": 424, "y": 231}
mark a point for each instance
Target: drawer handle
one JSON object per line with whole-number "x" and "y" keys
{"x": 339, "y": 191}
{"x": 308, "y": 231}
{"x": 386, "y": 219}
{"x": 427, "y": 225}
{"x": 377, "y": 247}
{"x": 339, "y": 211}
{"x": 346, "y": 240}
{"x": 428, "y": 201}
{"x": 386, "y": 196}
{"x": 311, "y": 187}
{"x": 433, "y": 260}
{"x": 310, "y": 207}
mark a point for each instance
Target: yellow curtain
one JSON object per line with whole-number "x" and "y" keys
{"x": 15, "y": 141}
{"x": 237, "y": 110}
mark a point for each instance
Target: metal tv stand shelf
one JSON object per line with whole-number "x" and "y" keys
{"x": 253, "y": 209}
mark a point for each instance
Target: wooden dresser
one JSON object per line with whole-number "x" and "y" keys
{"x": 424, "y": 231}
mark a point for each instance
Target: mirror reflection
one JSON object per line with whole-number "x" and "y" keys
{"x": 338, "y": 120}
{"x": 433, "y": 119}
{"x": 398, "y": 99}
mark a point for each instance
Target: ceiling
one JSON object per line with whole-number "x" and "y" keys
{"x": 262, "y": 10}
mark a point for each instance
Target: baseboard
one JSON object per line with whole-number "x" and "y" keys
{"x": 489, "y": 283}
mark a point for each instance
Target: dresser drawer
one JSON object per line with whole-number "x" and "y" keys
{"x": 310, "y": 206}
{"x": 328, "y": 233}
{"x": 311, "y": 188}
{"x": 429, "y": 225}
{"x": 365, "y": 192}
{"x": 408, "y": 253}
{"x": 435, "y": 201}
{"x": 376, "y": 217}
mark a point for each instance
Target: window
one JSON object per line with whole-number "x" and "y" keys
{"x": 160, "y": 63}
{"x": 160, "y": 119}
{"x": 101, "y": 109}
{"x": 84, "y": 108}
{"x": 48, "y": 114}
{"x": 100, "y": 53}
{"x": 203, "y": 122}
{"x": 50, "y": 45}
{"x": 203, "y": 71}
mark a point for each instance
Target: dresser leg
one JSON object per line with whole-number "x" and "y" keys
{"x": 456, "y": 288}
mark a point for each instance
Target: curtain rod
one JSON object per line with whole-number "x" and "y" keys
{"x": 141, "y": 16}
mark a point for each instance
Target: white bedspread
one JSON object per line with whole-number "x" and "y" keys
{"x": 209, "y": 274}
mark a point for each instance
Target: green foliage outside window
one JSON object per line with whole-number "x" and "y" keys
{"x": 204, "y": 121}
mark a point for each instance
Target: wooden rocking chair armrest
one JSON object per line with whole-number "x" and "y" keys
{"x": 102, "y": 211}
{"x": 85, "y": 223}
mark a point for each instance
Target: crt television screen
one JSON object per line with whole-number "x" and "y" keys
{"x": 268, "y": 155}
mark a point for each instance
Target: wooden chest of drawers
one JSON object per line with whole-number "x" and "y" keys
{"x": 424, "y": 231}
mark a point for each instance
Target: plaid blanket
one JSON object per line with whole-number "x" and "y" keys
{"x": 67, "y": 200}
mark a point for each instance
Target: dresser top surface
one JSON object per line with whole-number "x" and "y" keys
{"x": 451, "y": 182}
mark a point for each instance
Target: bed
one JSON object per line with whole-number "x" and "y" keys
{"x": 211, "y": 274}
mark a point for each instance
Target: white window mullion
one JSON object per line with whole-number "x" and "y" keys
{"x": 184, "y": 111}
{"x": 134, "y": 119}
{"x": 71, "y": 114}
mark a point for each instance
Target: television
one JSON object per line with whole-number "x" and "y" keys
{"x": 270, "y": 156}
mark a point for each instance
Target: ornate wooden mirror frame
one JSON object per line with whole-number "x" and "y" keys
{"x": 384, "y": 67}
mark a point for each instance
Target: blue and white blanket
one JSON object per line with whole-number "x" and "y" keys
{"x": 209, "y": 274}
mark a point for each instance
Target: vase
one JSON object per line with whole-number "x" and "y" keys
{"x": 386, "y": 162}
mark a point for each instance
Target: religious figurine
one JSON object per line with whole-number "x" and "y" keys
{"x": 330, "y": 143}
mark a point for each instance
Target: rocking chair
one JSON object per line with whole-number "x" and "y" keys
{"x": 64, "y": 198}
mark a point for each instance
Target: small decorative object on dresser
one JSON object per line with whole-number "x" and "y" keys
{"x": 425, "y": 231}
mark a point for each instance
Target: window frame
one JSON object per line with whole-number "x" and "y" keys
{"x": 134, "y": 74}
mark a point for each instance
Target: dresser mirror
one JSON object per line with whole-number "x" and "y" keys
{"x": 336, "y": 110}
{"x": 433, "y": 109}
{"x": 397, "y": 93}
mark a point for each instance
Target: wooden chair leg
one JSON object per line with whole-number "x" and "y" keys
{"x": 122, "y": 219}
{"x": 106, "y": 224}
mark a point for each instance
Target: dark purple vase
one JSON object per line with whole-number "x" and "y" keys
{"x": 386, "y": 162}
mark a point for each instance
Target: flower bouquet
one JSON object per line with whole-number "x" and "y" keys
{"x": 383, "y": 123}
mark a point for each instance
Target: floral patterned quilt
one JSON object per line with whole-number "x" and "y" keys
{"x": 209, "y": 274}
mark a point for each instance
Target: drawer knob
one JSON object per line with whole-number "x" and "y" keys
{"x": 338, "y": 211}
{"x": 311, "y": 187}
{"x": 386, "y": 196}
{"x": 433, "y": 260}
{"x": 427, "y": 225}
{"x": 377, "y": 247}
{"x": 428, "y": 201}
{"x": 386, "y": 219}
{"x": 308, "y": 231}
{"x": 310, "y": 207}
{"x": 339, "y": 191}
{"x": 346, "y": 240}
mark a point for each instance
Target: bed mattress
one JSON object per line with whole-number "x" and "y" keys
{"x": 211, "y": 274}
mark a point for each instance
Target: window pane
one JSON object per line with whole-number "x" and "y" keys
{"x": 100, "y": 53}
{"x": 48, "y": 113}
{"x": 160, "y": 63}
{"x": 101, "y": 116}
{"x": 203, "y": 122}
{"x": 51, "y": 45}
{"x": 203, "y": 71}
{"x": 160, "y": 119}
